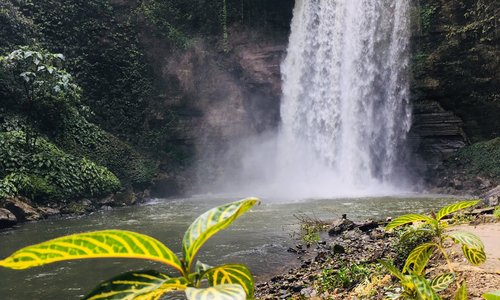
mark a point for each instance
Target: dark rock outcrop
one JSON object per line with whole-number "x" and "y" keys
{"x": 435, "y": 135}
{"x": 7, "y": 218}
{"x": 22, "y": 209}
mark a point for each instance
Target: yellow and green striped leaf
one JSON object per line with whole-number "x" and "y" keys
{"x": 136, "y": 286}
{"x": 418, "y": 258}
{"x": 461, "y": 292}
{"x": 454, "y": 208}
{"x": 209, "y": 224}
{"x": 219, "y": 292}
{"x": 423, "y": 288}
{"x": 232, "y": 274}
{"x": 98, "y": 244}
{"x": 468, "y": 239}
{"x": 495, "y": 295}
{"x": 441, "y": 282}
{"x": 406, "y": 219}
{"x": 474, "y": 256}
{"x": 392, "y": 269}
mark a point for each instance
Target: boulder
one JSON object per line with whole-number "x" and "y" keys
{"x": 22, "y": 209}
{"x": 126, "y": 197}
{"x": 7, "y": 219}
{"x": 49, "y": 211}
{"x": 341, "y": 225}
{"x": 492, "y": 197}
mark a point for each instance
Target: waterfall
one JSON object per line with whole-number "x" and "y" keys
{"x": 345, "y": 107}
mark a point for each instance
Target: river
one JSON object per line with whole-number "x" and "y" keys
{"x": 259, "y": 238}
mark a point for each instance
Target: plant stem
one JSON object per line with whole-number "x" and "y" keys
{"x": 447, "y": 258}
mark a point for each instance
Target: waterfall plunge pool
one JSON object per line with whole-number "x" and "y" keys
{"x": 258, "y": 239}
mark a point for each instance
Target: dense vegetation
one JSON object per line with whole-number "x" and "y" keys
{"x": 456, "y": 62}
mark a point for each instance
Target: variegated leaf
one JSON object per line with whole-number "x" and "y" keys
{"x": 454, "y": 208}
{"x": 219, "y": 292}
{"x": 424, "y": 289}
{"x": 473, "y": 255}
{"x": 392, "y": 269}
{"x": 98, "y": 244}
{"x": 495, "y": 295}
{"x": 201, "y": 267}
{"x": 418, "y": 258}
{"x": 209, "y": 224}
{"x": 232, "y": 274}
{"x": 441, "y": 282}
{"x": 414, "y": 232}
{"x": 466, "y": 238}
{"x": 406, "y": 219}
{"x": 141, "y": 285}
{"x": 461, "y": 292}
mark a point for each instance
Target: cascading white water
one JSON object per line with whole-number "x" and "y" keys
{"x": 345, "y": 107}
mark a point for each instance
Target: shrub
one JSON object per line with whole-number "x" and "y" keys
{"x": 412, "y": 277}
{"x": 44, "y": 172}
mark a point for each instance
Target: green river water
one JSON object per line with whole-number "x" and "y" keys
{"x": 259, "y": 238}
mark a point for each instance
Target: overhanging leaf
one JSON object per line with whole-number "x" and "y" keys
{"x": 219, "y": 292}
{"x": 406, "y": 219}
{"x": 461, "y": 292}
{"x": 418, "y": 258}
{"x": 232, "y": 274}
{"x": 492, "y": 295}
{"x": 441, "y": 282}
{"x": 454, "y": 208}
{"x": 473, "y": 255}
{"x": 209, "y": 224}
{"x": 392, "y": 269}
{"x": 468, "y": 239}
{"x": 98, "y": 244}
{"x": 137, "y": 285}
{"x": 423, "y": 288}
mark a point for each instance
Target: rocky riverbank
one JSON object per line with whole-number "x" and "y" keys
{"x": 343, "y": 264}
{"x": 16, "y": 210}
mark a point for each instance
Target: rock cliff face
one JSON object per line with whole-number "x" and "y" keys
{"x": 455, "y": 79}
{"x": 221, "y": 97}
{"x": 435, "y": 135}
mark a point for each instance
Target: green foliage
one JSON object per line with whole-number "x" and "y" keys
{"x": 345, "y": 277}
{"x": 310, "y": 228}
{"x": 39, "y": 88}
{"x": 496, "y": 212}
{"x": 415, "y": 285}
{"x": 427, "y": 13}
{"x": 225, "y": 282}
{"x": 15, "y": 28}
{"x": 407, "y": 238}
{"x": 479, "y": 159}
{"x": 82, "y": 138}
{"x": 44, "y": 172}
{"x": 492, "y": 295}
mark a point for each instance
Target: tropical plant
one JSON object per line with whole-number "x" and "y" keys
{"x": 231, "y": 281}
{"x": 492, "y": 295}
{"x": 43, "y": 89}
{"x": 412, "y": 277}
